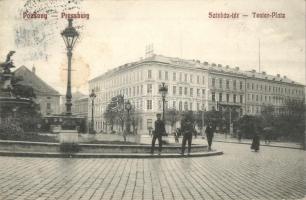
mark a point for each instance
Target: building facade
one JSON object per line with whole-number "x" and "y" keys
{"x": 80, "y": 107}
{"x": 192, "y": 85}
{"x": 46, "y": 96}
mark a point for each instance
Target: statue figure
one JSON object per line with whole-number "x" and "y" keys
{"x": 6, "y": 74}
{"x": 8, "y": 64}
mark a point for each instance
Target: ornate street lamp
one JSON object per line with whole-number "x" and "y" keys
{"x": 70, "y": 36}
{"x": 92, "y": 97}
{"x": 163, "y": 90}
{"x": 128, "y": 107}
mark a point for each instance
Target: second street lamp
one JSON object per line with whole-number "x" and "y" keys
{"x": 70, "y": 36}
{"x": 92, "y": 97}
{"x": 163, "y": 90}
{"x": 128, "y": 107}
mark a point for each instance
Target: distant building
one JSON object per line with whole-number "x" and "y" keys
{"x": 46, "y": 96}
{"x": 192, "y": 85}
{"x": 78, "y": 101}
{"x": 80, "y": 105}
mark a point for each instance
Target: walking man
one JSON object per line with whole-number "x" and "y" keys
{"x": 176, "y": 135}
{"x": 187, "y": 129}
{"x": 157, "y": 134}
{"x": 209, "y": 134}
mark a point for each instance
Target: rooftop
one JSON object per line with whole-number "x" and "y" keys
{"x": 31, "y": 79}
{"x": 197, "y": 64}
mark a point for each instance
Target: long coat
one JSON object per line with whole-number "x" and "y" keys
{"x": 209, "y": 132}
{"x": 159, "y": 128}
{"x": 187, "y": 127}
{"x": 256, "y": 139}
{"x": 255, "y": 142}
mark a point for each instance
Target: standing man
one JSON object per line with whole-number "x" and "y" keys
{"x": 157, "y": 134}
{"x": 209, "y": 134}
{"x": 187, "y": 129}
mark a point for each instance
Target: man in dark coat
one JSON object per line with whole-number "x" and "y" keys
{"x": 209, "y": 135}
{"x": 157, "y": 134}
{"x": 187, "y": 129}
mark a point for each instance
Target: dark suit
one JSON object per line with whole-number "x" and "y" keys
{"x": 187, "y": 129}
{"x": 157, "y": 134}
{"x": 209, "y": 135}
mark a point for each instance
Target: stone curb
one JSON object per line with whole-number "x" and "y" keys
{"x": 261, "y": 144}
{"x": 105, "y": 155}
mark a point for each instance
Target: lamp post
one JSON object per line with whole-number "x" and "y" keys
{"x": 128, "y": 107}
{"x": 203, "y": 110}
{"x": 203, "y": 120}
{"x": 163, "y": 90}
{"x": 92, "y": 97}
{"x": 70, "y": 36}
{"x": 304, "y": 146}
{"x": 230, "y": 121}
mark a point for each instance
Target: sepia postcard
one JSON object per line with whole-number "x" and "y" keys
{"x": 152, "y": 99}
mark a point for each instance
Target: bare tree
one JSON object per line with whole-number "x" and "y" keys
{"x": 110, "y": 116}
{"x": 171, "y": 117}
{"x": 134, "y": 117}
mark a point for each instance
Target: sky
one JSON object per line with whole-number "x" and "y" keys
{"x": 117, "y": 32}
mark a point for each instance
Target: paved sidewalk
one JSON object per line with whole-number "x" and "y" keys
{"x": 108, "y": 155}
{"x": 239, "y": 174}
{"x": 223, "y": 138}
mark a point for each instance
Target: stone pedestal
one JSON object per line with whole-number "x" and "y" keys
{"x": 68, "y": 136}
{"x": 165, "y": 139}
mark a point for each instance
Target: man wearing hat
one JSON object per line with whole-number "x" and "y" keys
{"x": 157, "y": 133}
{"x": 187, "y": 128}
{"x": 209, "y": 134}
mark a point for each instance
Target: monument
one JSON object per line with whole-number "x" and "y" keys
{"x": 10, "y": 103}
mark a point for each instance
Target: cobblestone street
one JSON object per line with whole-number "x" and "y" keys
{"x": 272, "y": 173}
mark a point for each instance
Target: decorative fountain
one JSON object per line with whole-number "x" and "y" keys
{"x": 10, "y": 104}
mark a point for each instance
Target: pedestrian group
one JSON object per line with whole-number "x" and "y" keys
{"x": 187, "y": 130}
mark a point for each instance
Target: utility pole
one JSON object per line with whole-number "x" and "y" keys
{"x": 305, "y": 116}
{"x": 259, "y": 55}
{"x": 203, "y": 110}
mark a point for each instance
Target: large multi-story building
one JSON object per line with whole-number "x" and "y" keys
{"x": 192, "y": 85}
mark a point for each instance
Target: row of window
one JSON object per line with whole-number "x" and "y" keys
{"x": 178, "y": 76}
{"x": 139, "y": 90}
{"x": 180, "y": 106}
{"x": 265, "y": 98}
{"x": 258, "y": 109}
{"x": 275, "y": 89}
{"x": 227, "y": 96}
{"x": 227, "y": 84}
{"x": 100, "y": 125}
{"x": 187, "y": 91}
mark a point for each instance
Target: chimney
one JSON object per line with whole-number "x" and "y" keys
{"x": 278, "y": 75}
{"x": 213, "y": 64}
{"x": 285, "y": 76}
{"x": 253, "y": 70}
{"x": 33, "y": 69}
{"x": 219, "y": 65}
{"x": 237, "y": 68}
{"x": 227, "y": 66}
{"x": 205, "y": 63}
{"x": 264, "y": 73}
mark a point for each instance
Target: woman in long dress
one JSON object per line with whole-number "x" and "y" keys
{"x": 256, "y": 140}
